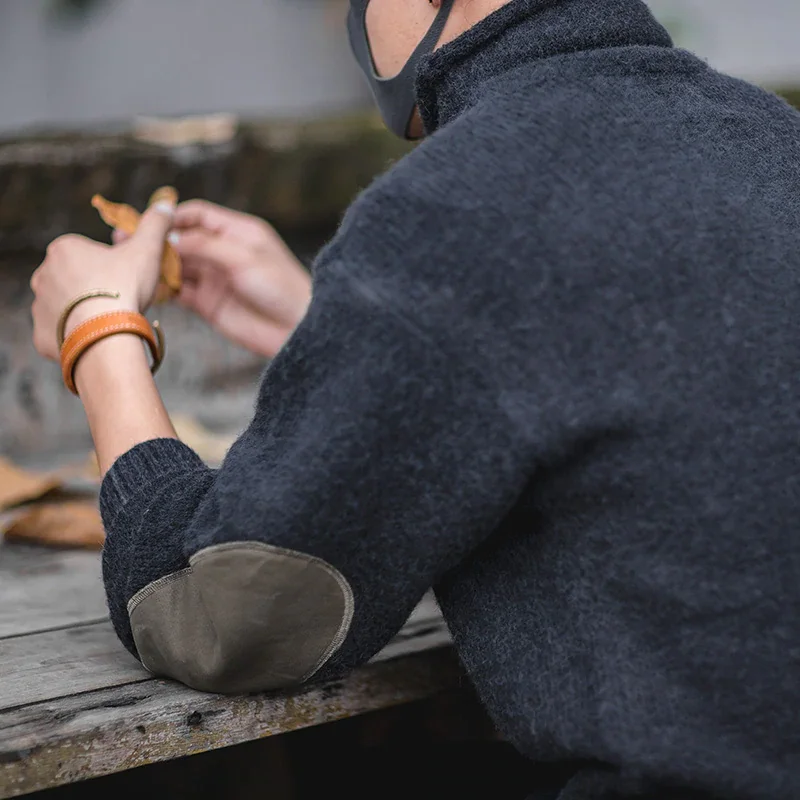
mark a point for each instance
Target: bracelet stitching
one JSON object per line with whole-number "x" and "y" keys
{"x": 133, "y": 327}
{"x": 73, "y": 348}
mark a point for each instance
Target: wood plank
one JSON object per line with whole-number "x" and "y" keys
{"x": 93, "y": 734}
{"x": 46, "y": 666}
{"x": 43, "y": 589}
{"x": 74, "y": 704}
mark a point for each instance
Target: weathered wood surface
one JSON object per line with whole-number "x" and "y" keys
{"x": 74, "y": 705}
{"x": 103, "y": 732}
{"x": 82, "y": 658}
{"x": 45, "y": 666}
{"x": 28, "y": 579}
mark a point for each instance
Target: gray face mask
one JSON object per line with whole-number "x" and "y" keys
{"x": 394, "y": 96}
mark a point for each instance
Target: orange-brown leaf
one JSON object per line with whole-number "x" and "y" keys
{"x": 126, "y": 219}
{"x": 69, "y": 524}
{"x": 117, "y": 215}
{"x": 19, "y": 485}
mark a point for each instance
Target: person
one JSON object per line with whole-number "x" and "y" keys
{"x": 550, "y": 367}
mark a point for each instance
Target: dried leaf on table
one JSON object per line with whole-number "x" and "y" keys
{"x": 211, "y": 447}
{"x": 20, "y": 485}
{"x": 68, "y": 524}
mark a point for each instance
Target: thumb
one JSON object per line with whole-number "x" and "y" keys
{"x": 153, "y": 229}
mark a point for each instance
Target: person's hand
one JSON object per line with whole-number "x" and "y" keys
{"x": 74, "y": 265}
{"x": 239, "y": 275}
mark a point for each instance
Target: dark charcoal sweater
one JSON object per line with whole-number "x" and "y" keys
{"x": 551, "y": 368}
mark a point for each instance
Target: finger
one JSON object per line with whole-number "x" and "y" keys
{"x": 222, "y": 253}
{"x": 196, "y": 269}
{"x": 195, "y": 296}
{"x": 202, "y": 214}
{"x": 187, "y": 297}
{"x": 71, "y": 240}
{"x": 118, "y": 236}
{"x": 153, "y": 228}
{"x": 237, "y": 322}
{"x": 35, "y": 279}
{"x": 249, "y": 329}
{"x": 220, "y": 220}
{"x": 203, "y": 298}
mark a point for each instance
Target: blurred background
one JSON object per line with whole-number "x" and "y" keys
{"x": 256, "y": 104}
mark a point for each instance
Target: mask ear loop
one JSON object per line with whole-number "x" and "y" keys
{"x": 423, "y": 48}
{"x": 427, "y": 45}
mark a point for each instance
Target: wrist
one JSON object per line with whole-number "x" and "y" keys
{"x": 100, "y": 328}
{"x": 111, "y": 362}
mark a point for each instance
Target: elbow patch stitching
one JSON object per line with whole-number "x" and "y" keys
{"x": 244, "y": 616}
{"x": 153, "y": 587}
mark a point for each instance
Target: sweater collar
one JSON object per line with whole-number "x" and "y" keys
{"x": 524, "y": 31}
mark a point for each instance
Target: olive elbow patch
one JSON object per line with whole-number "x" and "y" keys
{"x": 242, "y": 617}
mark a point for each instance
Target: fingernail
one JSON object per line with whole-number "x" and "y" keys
{"x": 164, "y": 207}
{"x": 174, "y": 237}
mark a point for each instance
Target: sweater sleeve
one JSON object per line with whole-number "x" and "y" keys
{"x": 376, "y": 461}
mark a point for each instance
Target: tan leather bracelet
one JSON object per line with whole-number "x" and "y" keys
{"x": 102, "y": 326}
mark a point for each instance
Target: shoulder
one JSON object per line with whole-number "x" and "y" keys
{"x": 452, "y": 179}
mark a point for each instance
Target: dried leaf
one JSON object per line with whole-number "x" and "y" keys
{"x": 69, "y": 524}
{"x": 211, "y": 447}
{"x": 83, "y": 473}
{"x": 126, "y": 219}
{"x": 19, "y": 485}
{"x": 171, "y": 273}
{"x": 117, "y": 215}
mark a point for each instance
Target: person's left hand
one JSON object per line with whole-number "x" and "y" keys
{"x": 74, "y": 265}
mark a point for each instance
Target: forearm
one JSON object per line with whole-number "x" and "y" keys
{"x": 348, "y": 496}
{"x": 119, "y": 395}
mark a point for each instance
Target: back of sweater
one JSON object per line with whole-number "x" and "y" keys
{"x": 551, "y": 367}
{"x": 628, "y": 286}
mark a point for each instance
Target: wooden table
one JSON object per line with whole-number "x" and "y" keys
{"x": 75, "y": 705}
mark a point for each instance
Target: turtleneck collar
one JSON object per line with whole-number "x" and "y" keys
{"x": 524, "y": 31}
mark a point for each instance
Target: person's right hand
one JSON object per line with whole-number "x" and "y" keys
{"x": 239, "y": 275}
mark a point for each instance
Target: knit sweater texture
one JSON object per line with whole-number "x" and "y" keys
{"x": 552, "y": 369}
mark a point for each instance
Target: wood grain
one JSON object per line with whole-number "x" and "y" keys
{"x": 42, "y": 589}
{"x": 108, "y": 731}
{"x": 75, "y": 705}
{"x": 44, "y": 666}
